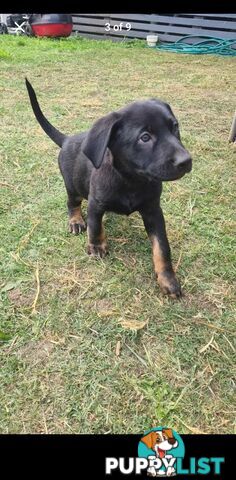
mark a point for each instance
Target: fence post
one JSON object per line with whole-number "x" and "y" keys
{"x": 232, "y": 135}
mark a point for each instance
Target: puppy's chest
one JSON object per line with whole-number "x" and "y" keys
{"x": 128, "y": 203}
{"x": 120, "y": 196}
{"x": 124, "y": 201}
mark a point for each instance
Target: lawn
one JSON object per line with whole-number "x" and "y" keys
{"x": 92, "y": 346}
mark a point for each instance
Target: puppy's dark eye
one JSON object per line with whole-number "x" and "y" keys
{"x": 175, "y": 129}
{"x": 145, "y": 137}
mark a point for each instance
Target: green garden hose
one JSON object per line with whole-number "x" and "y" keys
{"x": 210, "y": 45}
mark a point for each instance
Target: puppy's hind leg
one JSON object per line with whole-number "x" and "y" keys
{"x": 76, "y": 222}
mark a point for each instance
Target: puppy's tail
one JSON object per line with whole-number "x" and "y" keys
{"x": 51, "y": 131}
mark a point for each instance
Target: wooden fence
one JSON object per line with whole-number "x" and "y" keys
{"x": 170, "y": 27}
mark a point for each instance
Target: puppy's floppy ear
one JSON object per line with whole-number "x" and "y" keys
{"x": 149, "y": 440}
{"x": 168, "y": 432}
{"x": 98, "y": 138}
{"x": 170, "y": 436}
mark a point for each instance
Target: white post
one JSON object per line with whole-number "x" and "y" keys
{"x": 232, "y": 135}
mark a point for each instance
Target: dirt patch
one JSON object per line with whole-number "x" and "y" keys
{"x": 212, "y": 300}
{"x": 19, "y": 299}
{"x": 36, "y": 351}
{"x": 202, "y": 303}
{"x": 105, "y": 308}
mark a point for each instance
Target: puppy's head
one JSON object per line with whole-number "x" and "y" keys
{"x": 161, "y": 440}
{"x": 144, "y": 140}
{"x": 167, "y": 440}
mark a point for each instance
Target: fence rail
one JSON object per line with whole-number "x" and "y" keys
{"x": 167, "y": 27}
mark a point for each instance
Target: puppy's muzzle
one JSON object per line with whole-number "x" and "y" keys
{"x": 183, "y": 164}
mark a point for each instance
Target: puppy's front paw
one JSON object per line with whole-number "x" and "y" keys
{"x": 169, "y": 284}
{"x": 100, "y": 250}
{"x": 77, "y": 227}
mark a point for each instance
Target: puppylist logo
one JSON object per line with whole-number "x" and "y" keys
{"x": 161, "y": 452}
{"x": 161, "y": 447}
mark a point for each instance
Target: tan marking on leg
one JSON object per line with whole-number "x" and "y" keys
{"x": 77, "y": 224}
{"x": 76, "y": 216}
{"x": 158, "y": 260}
{"x": 102, "y": 237}
{"x": 165, "y": 275}
{"x": 100, "y": 247}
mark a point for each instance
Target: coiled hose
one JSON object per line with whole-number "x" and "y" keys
{"x": 210, "y": 45}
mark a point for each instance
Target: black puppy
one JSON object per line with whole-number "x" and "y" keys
{"x": 119, "y": 165}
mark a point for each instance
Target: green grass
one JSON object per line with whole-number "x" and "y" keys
{"x": 59, "y": 368}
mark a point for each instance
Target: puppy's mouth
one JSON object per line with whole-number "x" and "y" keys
{"x": 171, "y": 178}
{"x": 162, "y": 177}
{"x": 175, "y": 174}
{"x": 166, "y": 174}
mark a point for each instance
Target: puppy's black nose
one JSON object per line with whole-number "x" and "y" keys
{"x": 183, "y": 164}
{"x": 171, "y": 441}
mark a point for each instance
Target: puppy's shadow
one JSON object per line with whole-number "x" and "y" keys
{"x": 126, "y": 234}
